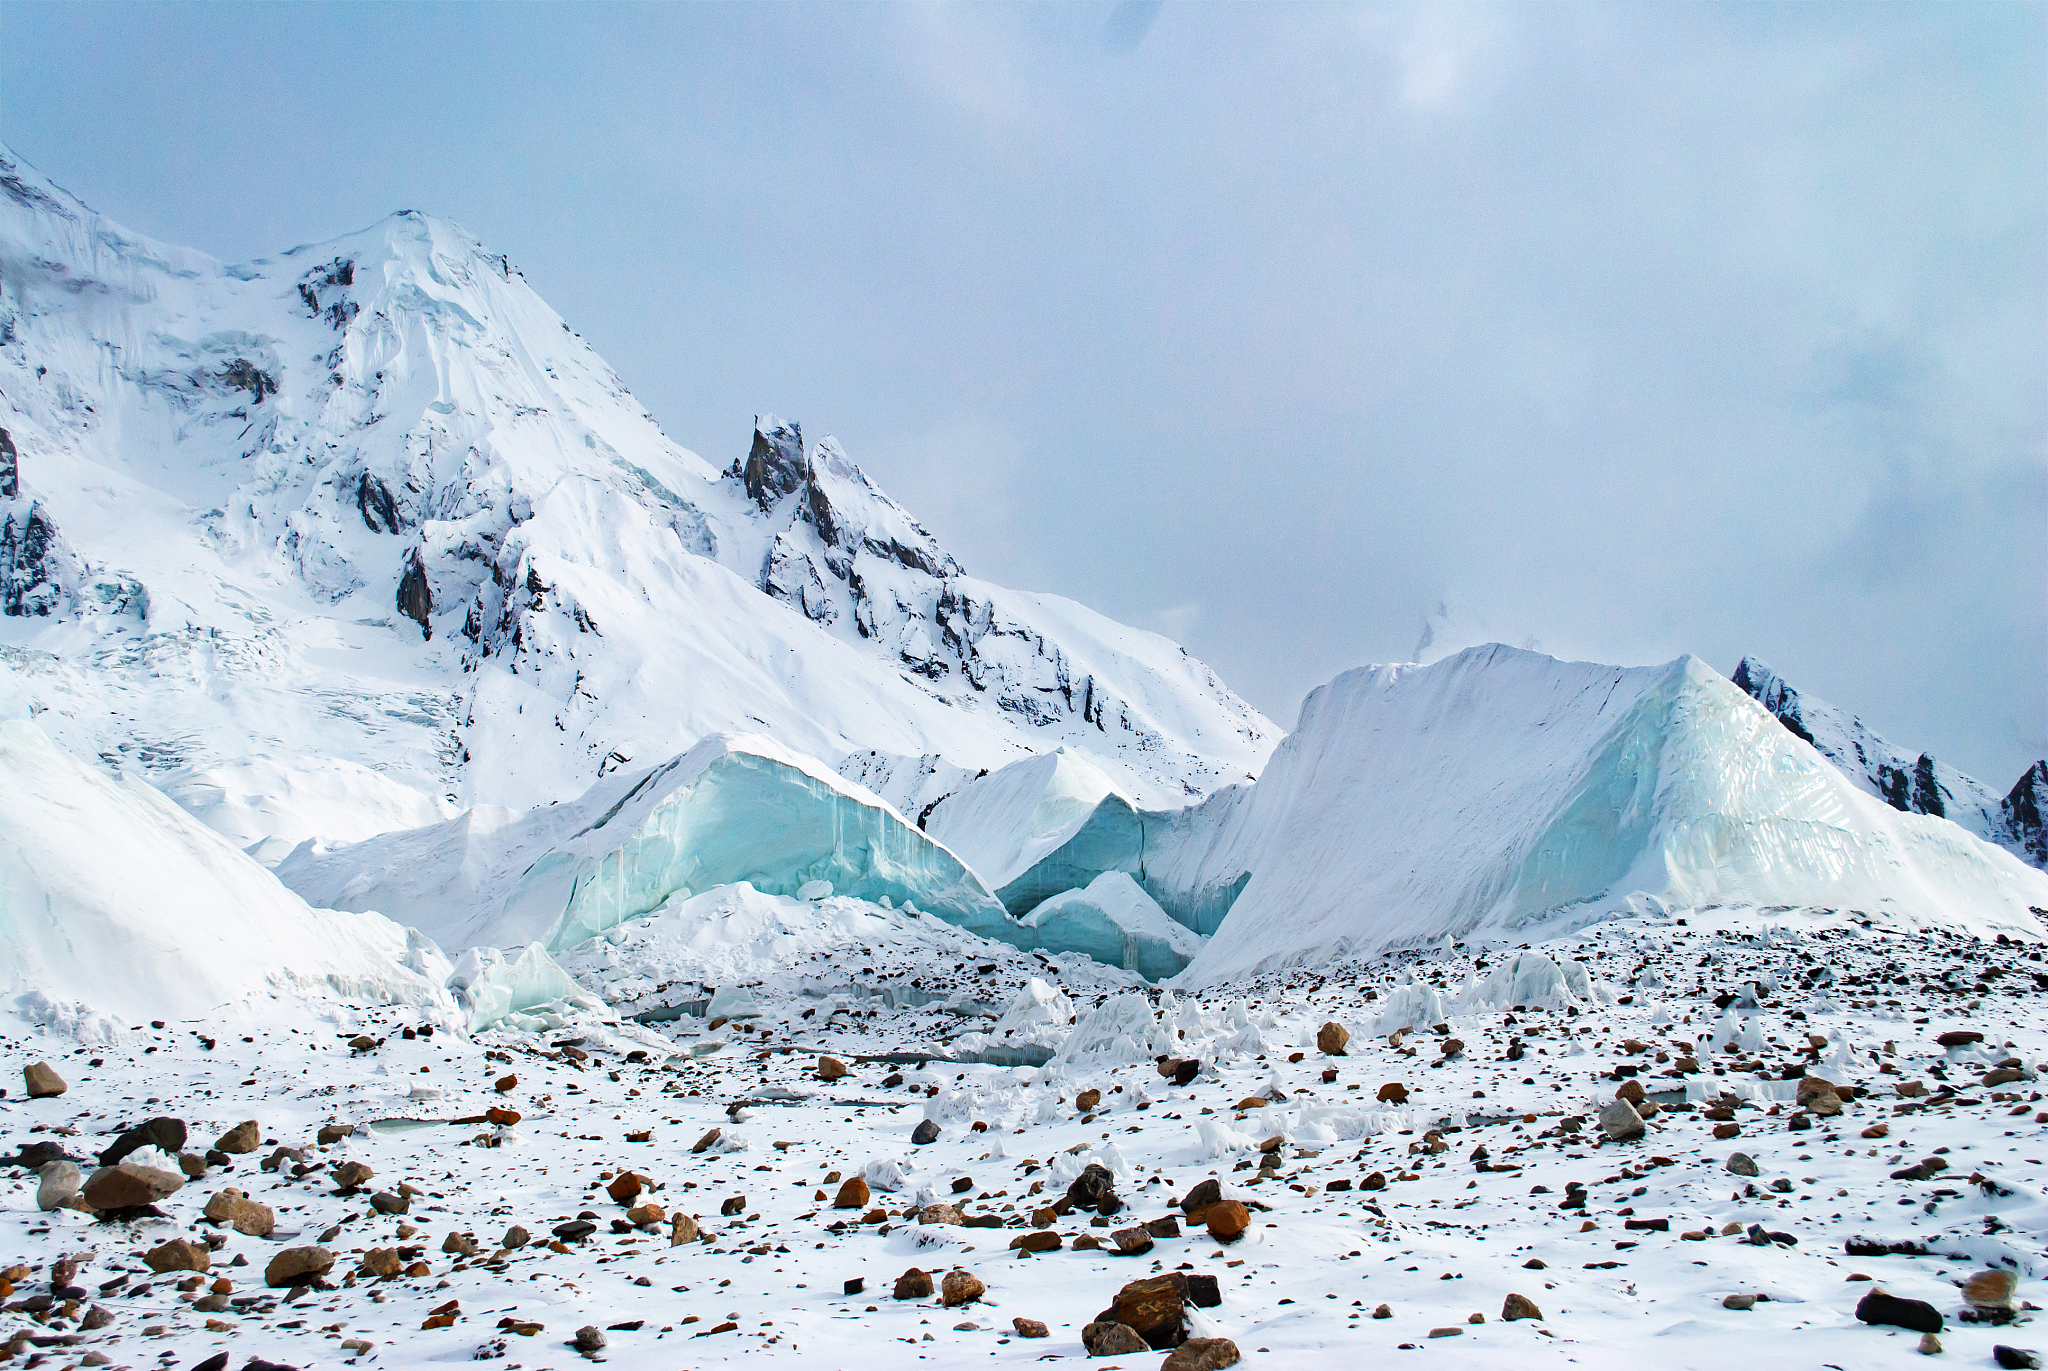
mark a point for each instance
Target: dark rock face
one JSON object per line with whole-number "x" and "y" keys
{"x": 379, "y": 509}
{"x": 31, "y": 563}
{"x": 324, "y": 290}
{"x": 1768, "y": 690}
{"x": 415, "y": 596}
{"x": 775, "y": 465}
{"x": 2020, "y": 814}
{"x": 10, "y": 467}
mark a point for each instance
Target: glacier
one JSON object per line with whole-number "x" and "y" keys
{"x": 1505, "y": 794}
{"x": 734, "y": 808}
{"x": 117, "y": 906}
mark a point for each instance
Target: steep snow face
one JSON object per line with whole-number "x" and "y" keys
{"x": 268, "y": 807}
{"x": 373, "y": 500}
{"x": 1003, "y": 823}
{"x": 113, "y": 898}
{"x": 1504, "y": 793}
{"x": 731, "y": 809}
{"x": 1914, "y": 785}
{"x": 1116, "y": 923}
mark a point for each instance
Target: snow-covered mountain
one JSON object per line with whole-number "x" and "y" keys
{"x": 1909, "y": 783}
{"x": 373, "y": 504}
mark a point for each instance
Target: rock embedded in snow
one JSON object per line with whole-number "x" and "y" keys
{"x": 1227, "y": 1220}
{"x": 231, "y": 1207}
{"x": 178, "y": 1255}
{"x": 1620, "y": 1122}
{"x": 1331, "y": 1039}
{"x": 244, "y": 1137}
{"x": 1202, "y": 1354}
{"x": 1108, "y": 1338}
{"x": 926, "y": 1132}
{"x": 129, "y": 1185}
{"x": 1519, "y": 1307}
{"x": 914, "y": 1284}
{"x": 1881, "y": 1306}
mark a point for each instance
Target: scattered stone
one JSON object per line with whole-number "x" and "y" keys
{"x": 460, "y": 1245}
{"x": 853, "y": 1194}
{"x": 1196, "y": 1202}
{"x": 1030, "y": 1328}
{"x": 1739, "y": 1302}
{"x": 246, "y": 1136}
{"x": 297, "y": 1266}
{"x": 1620, "y": 1122}
{"x": 925, "y": 1132}
{"x": 942, "y": 1214}
{"x": 178, "y": 1255}
{"x": 1374, "y": 1180}
{"x": 1166, "y": 1227}
{"x": 682, "y": 1228}
{"x": 1393, "y": 1092}
{"x": 2015, "y": 1358}
{"x": 830, "y": 1068}
{"x": 626, "y": 1186}
{"x": 705, "y": 1143}
{"x": 1228, "y": 1219}
{"x": 646, "y": 1215}
{"x": 350, "y": 1176}
{"x": 589, "y": 1338}
{"x": 960, "y": 1287}
{"x": 913, "y": 1285}
{"x": 1725, "y": 1131}
{"x": 1741, "y": 1164}
{"x": 1930, "y": 1346}
{"x": 381, "y": 1263}
{"x": 1881, "y": 1307}
{"x": 332, "y": 1133}
{"x": 42, "y": 1081}
{"x": 1131, "y": 1242}
{"x": 1087, "y": 1100}
{"x": 1519, "y": 1307}
{"x": 1959, "y": 1037}
{"x": 1201, "y": 1354}
{"x": 1111, "y": 1339}
{"x": 505, "y": 1085}
{"x": 384, "y": 1202}
{"x": 1632, "y": 1091}
{"x": 1041, "y": 1240}
{"x": 1094, "y": 1188}
{"x": 130, "y": 1185}
{"x": 246, "y": 1216}
{"x": 515, "y": 1238}
{"x": 1332, "y": 1038}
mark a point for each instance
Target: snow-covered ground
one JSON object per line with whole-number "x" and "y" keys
{"x": 1445, "y": 1235}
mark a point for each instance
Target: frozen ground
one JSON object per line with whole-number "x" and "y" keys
{"x": 1453, "y": 1232}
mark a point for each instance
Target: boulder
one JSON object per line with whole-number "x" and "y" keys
{"x": 61, "y": 1181}
{"x": 1518, "y": 1307}
{"x": 1153, "y": 1307}
{"x": 42, "y": 1081}
{"x": 385, "y": 1202}
{"x": 381, "y": 1263}
{"x": 913, "y": 1285}
{"x": 1959, "y": 1037}
{"x": 1094, "y": 1188}
{"x": 350, "y": 1176}
{"x": 2015, "y": 1358}
{"x": 129, "y": 1185}
{"x": 1620, "y": 1122}
{"x": 925, "y": 1132}
{"x": 1740, "y": 1164}
{"x": 1992, "y": 1288}
{"x": 705, "y": 1143}
{"x": 1131, "y": 1242}
{"x": 178, "y": 1255}
{"x": 1196, "y": 1202}
{"x": 1882, "y": 1307}
{"x": 1039, "y": 1240}
{"x": 942, "y": 1213}
{"x": 682, "y": 1228}
{"x": 517, "y": 1237}
{"x": 1632, "y": 1091}
{"x": 1111, "y": 1339}
{"x": 297, "y": 1266}
{"x": 1030, "y": 1328}
{"x": 246, "y": 1136}
{"x": 626, "y": 1186}
{"x": 1393, "y": 1092}
{"x": 1227, "y": 1220}
{"x": 960, "y": 1287}
{"x": 1201, "y": 1354}
{"x": 830, "y": 1068}
{"x": 1331, "y": 1039}
{"x": 246, "y": 1216}
{"x": 853, "y": 1194}
{"x": 1087, "y": 1100}
{"x": 646, "y": 1215}
{"x": 167, "y": 1135}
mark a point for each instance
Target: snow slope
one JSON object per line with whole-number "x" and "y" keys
{"x": 1113, "y": 921}
{"x": 1917, "y": 785}
{"x": 113, "y": 901}
{"x": 731, "y": 809}
{"x": 1004, "y": 823}
{"x": 1499, "y": 791}
{"x": 373, "y": 501}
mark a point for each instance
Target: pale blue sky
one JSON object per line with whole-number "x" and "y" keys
{"x": 1638, "y": 329}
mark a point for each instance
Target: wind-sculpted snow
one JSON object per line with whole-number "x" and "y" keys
{"x": 117, "y": 905}
{"x": 373, "y": 500}
{"x": 731, "y": 809}
{"x": 1500, "y": 793}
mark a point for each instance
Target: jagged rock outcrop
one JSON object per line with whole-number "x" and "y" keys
{"x": 2019, "y": 816}
{"x": 1908, "y": 783}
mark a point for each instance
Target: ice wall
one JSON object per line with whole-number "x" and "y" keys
{"x": 113, "y": 897}
{"x": 1505, "y": 792}
{"x": 733, "y": 808}
{"x": 1116, "y": 923}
